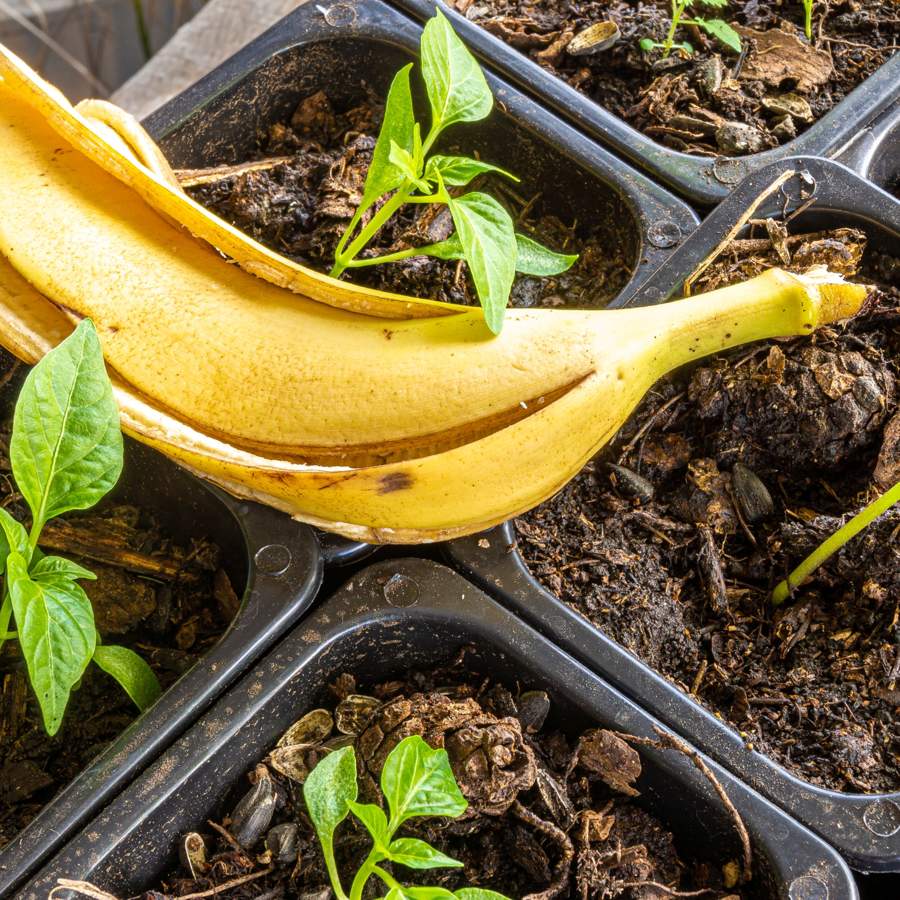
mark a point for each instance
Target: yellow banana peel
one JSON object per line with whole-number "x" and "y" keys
{"x": 380, "y": 417}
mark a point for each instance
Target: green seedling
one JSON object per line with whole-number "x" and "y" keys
{"x": 807, "y": 18}
{"x": 831, "y": 545}
{"x": 717, "y": 28}
{"x": 415, "y": 781}
{"x": 66, "y": 454}
{"x": 403, "y": 167}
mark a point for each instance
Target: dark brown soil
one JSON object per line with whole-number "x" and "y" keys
{"x": 169, "y": 603}
{"x": 536, "y": 796}
{"x": 715, "y": 102}
{"x": 733, "y": 472}
{"x": 301, "y": 206}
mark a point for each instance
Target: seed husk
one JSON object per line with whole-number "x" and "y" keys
{"x": 751, "y": 494}
{"x": 283, "y": 842}
{"x": 353, "y": 713}
{"x": 252, "y": 815}
{"x": 313, "y": 728}
{"x": 192, "y": 853}
{"x": 594, "y": 38}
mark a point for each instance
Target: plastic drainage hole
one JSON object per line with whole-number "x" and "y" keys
{"x": 800, "y": 188}
{"x": 273, "y": 559}
{"x": 727, "y": 170}
{"x": 338, "y": 14}
{"x": 401, "y": 590}
{"x": 664, "y": 233}
{"x": 882, "y": 818}
{"x": 808, "y": 887}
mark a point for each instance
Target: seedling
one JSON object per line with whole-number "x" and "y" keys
{"x": 807, "y": 18}
{"x": 831, "y": 545}
{"x": 717, "y": 28}
{"x": 66, "y": 454}
{"x": 402, "y": 166}
{"x": 415, "y": 781}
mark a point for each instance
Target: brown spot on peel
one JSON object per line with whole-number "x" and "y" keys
{"x": 395, "y": 481}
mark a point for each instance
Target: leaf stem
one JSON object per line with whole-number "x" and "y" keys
{"x": 831, "y": 545}
{"x": 5, "y": 616}
{"x": 387, "y": 258}
{"x": 387, "y": 878}
{"x": 677, "y": 12}
{"x": 377, "y": 221}
{"x": 362, "y": 876}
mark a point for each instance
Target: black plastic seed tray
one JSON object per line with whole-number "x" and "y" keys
{"x": 865, "y": 829}
{"x": 702, "y": 180}
{"x": 875, "y": 151}
{"x": 391, "y": 617}
{"x": 274, "y": 565}
{"x": 344, "y": 47}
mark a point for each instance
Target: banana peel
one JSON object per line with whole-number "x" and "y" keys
{"x": 382, "y": 418}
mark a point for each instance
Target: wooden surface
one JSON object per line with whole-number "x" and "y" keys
{"x": 220, "y": 29}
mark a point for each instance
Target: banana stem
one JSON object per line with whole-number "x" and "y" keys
{"x": 831, "y": 545}
{"x": 775, "y": 304}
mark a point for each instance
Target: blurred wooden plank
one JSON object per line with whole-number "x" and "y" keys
{"x": 220, "y": 29}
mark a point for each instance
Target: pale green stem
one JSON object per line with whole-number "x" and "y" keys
{"x": 387, "y": 878}
{"x": 831, "y": 545}
{"x": 677, "y": 12}
{"x": 387, "y": 258}
{"x": 807, "y": 12}
{"x": 333, "y": 874}
{"x": 362, "y": 876}
{"x": 376, "y": 223}
{"x": 5, "y": 616}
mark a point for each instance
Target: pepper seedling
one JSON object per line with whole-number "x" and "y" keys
{"x": 66, "y": 454}
{"x": 832, "y": 544}
{"x": 416, "y": 781}
{"x": 717, "y": 28}
{"x": 403, "y": 166}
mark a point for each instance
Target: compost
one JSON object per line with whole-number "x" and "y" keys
{"x": 725, "y": 478}
{"x": 299, "y": 191}
{"x": 715, "y": 101}
{"x": 551, "y": 814}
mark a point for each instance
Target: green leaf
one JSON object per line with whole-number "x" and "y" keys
{"x": 419, "y": 893}
{"x": 533, "y": 258}
{"x": 719, "y": 4}
{"x": 647, "y": 44}
{"x": 416, "y": 854}
{"x": 56, "y": 633}
{"x": 373, "y": 818}
{"x": 418, "y": 781}
{"x": 722, "y": 31}
{"x": 405, "y": 163}
{"x": 396, "y": 128}
{"x": 13, "y": 537}
{"x": 328, "y": 791}
{"x": 460, "y": 170}
{"x": 135, "y": 676}
{"x": 456, "y": 86}
{"x": 58, "y": 565}
{"x": 473, "y": 893}
{"x": 66, "y": 446}
{"x": 488, "y": 239}
{"x": 448, "y": 249}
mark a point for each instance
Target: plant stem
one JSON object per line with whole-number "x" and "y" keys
{"x": 677, "y": 11}
{"x": 387, "y": 258}
{"x": 375, "y": 224}
{"x": 807, "y": 12}
{"x": 5, "y": 616}
{"x": 362, "y": 876}
{"x": 831, "y": 545}
{"x": 388, "y": 879}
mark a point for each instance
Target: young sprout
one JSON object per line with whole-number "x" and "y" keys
{"x": 807, "y": 18}
{"x": 415, "y": 781}
{"x": 831, "y": 545}
{"x": 66, "y": 454}
{"x": 403, "y": 167}
{"x": 717, "y": 28}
